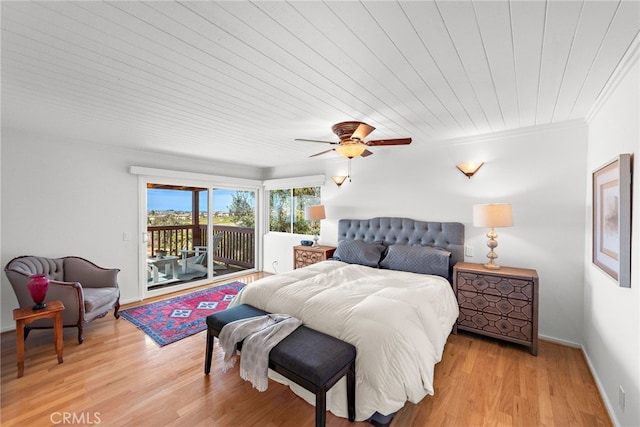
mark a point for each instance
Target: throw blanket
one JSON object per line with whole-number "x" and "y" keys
{"x": 260, "y": 335}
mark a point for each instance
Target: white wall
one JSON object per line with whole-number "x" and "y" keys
{"x": 68, "y": 198}
{"x": 612, "y": 319}
{"x": 539, "y": 170}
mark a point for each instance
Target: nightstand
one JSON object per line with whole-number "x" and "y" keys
{"x": 307, "y": 255}
{"x": 502, "y": 303}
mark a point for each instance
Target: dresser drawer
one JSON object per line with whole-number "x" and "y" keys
{"x": 307, "y": 255}
{"x": 304, "y": 258}
{"x": 503, "y": 287}
{"x": 496, "y": 324}
{"x": 497, "y": 305}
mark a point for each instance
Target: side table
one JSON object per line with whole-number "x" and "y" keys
{"x": 170, "y": 264}
{"x": 26, "y": 315}
{"x": 307, "y": 255}
{"x": 502, "y": 303}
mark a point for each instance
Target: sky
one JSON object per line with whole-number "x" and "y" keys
{"x": 158, "y": 199}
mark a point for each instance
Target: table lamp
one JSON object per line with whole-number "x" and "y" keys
{"x": 492, "y": 215}
{"x": 314, "y": 213}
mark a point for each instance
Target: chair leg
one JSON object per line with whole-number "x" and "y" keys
{"x": 116, "y": 308}
{"x": 80, "y": 339}
{"x": 351, "y": 391}
{"x": 321, "y": 408}
{"x": 26, "y": 332}
{"x": 208, "y": 353}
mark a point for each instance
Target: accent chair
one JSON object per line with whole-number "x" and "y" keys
{"x": 86, "y": 290}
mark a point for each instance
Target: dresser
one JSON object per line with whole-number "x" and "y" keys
{"x": 307, "y": 255}
{"x": 502, "y": 303}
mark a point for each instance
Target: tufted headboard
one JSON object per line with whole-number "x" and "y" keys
{"x": 406, "y": 231}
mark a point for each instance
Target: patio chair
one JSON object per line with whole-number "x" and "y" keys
{"x": 86, "y": 290}
{"x": 198, "y": 261}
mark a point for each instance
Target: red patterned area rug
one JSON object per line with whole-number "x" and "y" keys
{"x": 176, "y": 318}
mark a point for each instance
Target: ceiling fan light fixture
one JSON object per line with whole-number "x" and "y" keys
{"x": 351, "y": 150}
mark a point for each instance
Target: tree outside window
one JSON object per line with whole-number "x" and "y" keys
{"x": 286, "y": 209}
{"x": 242, "y": 210}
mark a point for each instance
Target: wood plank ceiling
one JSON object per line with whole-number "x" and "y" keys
{"x": 238, "y": 81}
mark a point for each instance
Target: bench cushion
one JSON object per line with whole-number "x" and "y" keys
{"x": 313, "y": 355}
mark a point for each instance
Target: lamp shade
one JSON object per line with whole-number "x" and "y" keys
{"x": 314, "y": 213}
{"x": 492, "y": 215}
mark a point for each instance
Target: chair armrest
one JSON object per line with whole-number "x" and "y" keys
{"x": 80, "y": 270}
{"x": 60, "y": 290}
{"x": 71, "y": 295}
{"x": 197, "y": 250}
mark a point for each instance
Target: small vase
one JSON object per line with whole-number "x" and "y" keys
{"x": 38, "y": 285}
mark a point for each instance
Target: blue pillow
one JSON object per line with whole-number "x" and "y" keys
{"x": 417, "y": 259}
{"x": 359, "y": 252}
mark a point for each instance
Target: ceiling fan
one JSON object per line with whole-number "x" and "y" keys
{"x": 352, "y": 143}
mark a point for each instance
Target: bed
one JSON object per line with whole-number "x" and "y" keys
{"x": 388, "y": 292}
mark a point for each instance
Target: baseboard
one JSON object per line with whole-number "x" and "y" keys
{"x": 8, "y": 329}
{"x": 603, "y": 395}
{"x": 594, "y": 374}
{"x": 560, "y": 341}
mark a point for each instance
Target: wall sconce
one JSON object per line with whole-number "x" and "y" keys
{"x": 339, "y": 179}
{"x": 469, "y": 168}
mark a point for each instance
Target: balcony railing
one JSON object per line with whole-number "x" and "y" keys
{"x": 236, "y": 248}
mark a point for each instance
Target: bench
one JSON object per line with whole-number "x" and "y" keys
{"x": 311, "y": 359}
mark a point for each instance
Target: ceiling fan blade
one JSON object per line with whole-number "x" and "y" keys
{"x": 362, "y": 131}
{"x": 315, "y": 140}
{"x": 399, "y": 141}
{"x": 366, "y": 153}
{"x": 322, "y": 152}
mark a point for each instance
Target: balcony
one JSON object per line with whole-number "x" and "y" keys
{"x": 236, "y": 251}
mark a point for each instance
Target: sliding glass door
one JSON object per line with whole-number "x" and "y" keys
{"x": 182, "y": 248}
{"x": 234, "y": 230}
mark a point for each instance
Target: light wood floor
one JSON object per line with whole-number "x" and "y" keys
{"x": 120, "y": 377}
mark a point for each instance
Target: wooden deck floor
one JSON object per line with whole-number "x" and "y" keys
{"x": 120, "y": 377}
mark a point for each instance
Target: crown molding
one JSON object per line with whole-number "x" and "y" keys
{"x": 512, "y": 133}
{"x": 629, "y": 59}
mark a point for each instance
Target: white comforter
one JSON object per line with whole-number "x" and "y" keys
{"x": 398, "y": 321}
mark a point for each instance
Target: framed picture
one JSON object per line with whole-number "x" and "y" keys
{"x": 612, "y": 219}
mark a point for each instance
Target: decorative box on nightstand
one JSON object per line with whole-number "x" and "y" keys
{"x": 500, "y": 303}
{"x": 307, "y": 255}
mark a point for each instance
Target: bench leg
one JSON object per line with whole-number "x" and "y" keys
{"x": 321, "y": 408}
{"x": 351, "y": 391}
{"x": 208, "y": 353}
